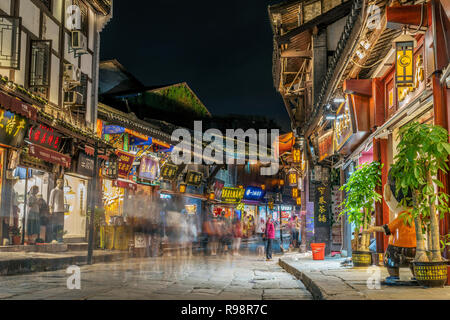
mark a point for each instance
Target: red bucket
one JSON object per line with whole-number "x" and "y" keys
{"x": 318, "y": 251}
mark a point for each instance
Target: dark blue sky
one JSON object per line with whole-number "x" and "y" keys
{"x": 223, "y": 50}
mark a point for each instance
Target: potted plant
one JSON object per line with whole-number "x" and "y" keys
{"x": 15, "y": 235}
{"x": 423, "y": 151}
{"x": 358, "y": 206}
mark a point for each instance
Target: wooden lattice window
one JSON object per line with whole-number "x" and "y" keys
{"x": 40, "y": 63}
{"x": 10, "y": 42}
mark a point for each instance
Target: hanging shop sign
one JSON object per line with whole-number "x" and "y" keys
{"x": 326, "y": 145}
{"x": 343, "y": 126}
{"x": 149, "y": 169}
{"x": 45, "y": 137}
{"x": 49, "y": 155}
{"x": 293, "y": 178}
{"x": 194, "y": 178}
{"x": 17, "y": 106}
{"x": 112, "y": 129}
{"x": 12, "y": 128}
{"x": 254, "y": 194}
{"x": 404, "y": 62}
{"x": 85, "y": 165}
{"x": 125, "y": 163}
{"x": 191, "y": 209}
{"x": 168, "y": 171}
{"x": 322, "y": 205}
{"x": 125, "y": 184}
{"x": 232, "y": 195}
{"x": 407, "y": 94}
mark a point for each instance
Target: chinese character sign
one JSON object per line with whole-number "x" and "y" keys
{"x": 322, "y": 206}
{"x": 149, "y": 169}
{"x": 12, "y": 128}
{"x": 44, "y": 136}
{"x": 194, "y": 178}
{"x": 125, "y": 163}
{"x": 168, "y": 171}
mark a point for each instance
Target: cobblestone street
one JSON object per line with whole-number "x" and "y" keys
{"x": 169, "y": 278}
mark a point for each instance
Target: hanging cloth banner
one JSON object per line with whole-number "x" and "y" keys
{"x": 49, "y": 155}
{"x": 125, "y": 163}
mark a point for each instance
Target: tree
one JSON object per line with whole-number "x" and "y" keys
{"x": 423, "y": 151}
{"x": 361, "y": 198}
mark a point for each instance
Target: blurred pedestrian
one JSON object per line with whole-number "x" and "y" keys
{"x": 270, "y": 235}
{"x": 260, "y": 228}
{"x": 237, "y": 236}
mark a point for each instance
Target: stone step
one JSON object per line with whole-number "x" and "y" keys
{"x": 81, "y": 246}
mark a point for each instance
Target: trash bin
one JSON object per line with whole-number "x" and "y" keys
{"x": 318, "y": 251}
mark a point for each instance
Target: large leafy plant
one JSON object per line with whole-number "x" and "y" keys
{"x": 423, "y": 151}
{"x": 361, "y": 198}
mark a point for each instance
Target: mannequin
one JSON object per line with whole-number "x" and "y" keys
{"x": 402, "y": 241}
{"x": 56, "y": 207}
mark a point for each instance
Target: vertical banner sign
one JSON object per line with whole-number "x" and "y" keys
{"x": 322, "y": 206}
{"x": 149, "y": 169}
{"x": 125, "y": 163}
{"x": 404, "y": 67}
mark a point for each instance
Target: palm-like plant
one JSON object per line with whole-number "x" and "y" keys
{"x": 361, "y": 198}
{"x": 423, "y": 151}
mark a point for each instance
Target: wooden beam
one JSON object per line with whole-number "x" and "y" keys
{"x": 327, "y": 18}
{"x": 358, "y": 86}
{"x": 295, "y": 53}
{"x": 410, "y": 15}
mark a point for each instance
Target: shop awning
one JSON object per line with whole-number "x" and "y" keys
{"x": 17, "y": 106}
{"x": 126, "y": 184}
{"x": 49, "y": 155}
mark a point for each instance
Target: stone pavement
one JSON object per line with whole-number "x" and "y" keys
{"x": 24, "y": 262}
{"x": 164, "y": 278}
{"x": 328, "y": 280}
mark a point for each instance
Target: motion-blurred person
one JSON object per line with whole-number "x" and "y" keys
{"x": 295, "y": 231}
{"x": 260, "y": 228}
{"x": 215, "y": 236}
{"x": 270, "y": 235}
{"x": 192, "y": 234}
{"x": 33, "y": 224}
{"x": 237, "y": 236}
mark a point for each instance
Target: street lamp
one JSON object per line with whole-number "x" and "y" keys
{"x": 211, "y": 196}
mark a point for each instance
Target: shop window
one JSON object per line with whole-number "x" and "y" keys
{"x": 40, "y": 65}
{"x": 10, "y": 42}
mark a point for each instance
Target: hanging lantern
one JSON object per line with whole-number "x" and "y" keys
{"x": 241, "y": 187}
{"x": 294, "y": 193}
{"x": 293, "y": 178}
{"x": 404, "y": 60}
{"x": 211, "y": 195}
{"x": 299, "y": 201}
{"x": 263, "y": 187}
{"x": 281, "y": 182}
{"x": 297, "y": 154}
{"x": 182, "y": 188}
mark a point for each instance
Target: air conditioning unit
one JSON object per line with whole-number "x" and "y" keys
{"x": 72, "y": 74}
{"x": 73, "y": 98}
{"x": 79, "y": 42}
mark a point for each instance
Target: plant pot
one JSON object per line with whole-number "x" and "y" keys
{"x": 362, "y": 258}
{"x": 448, "y": 273}
{"x": 431, "y": 274}
{"x": 16, "y": 240}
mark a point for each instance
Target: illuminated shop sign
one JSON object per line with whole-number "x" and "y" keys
{"x": 149, "y": 169}
{"x": 232, "y": 195}
{"x": 125, "y": 163}
{"x": 168, "y": 171}
{"x": 85, "y": 165}
{"x": 343, "y": 126}
{"x": 194, "y": 178}
{"x": 12, "y": 128}
{"x": 45, "y": 136}
{"x": 253, "y": 193}
{"x": 404, "y": 64}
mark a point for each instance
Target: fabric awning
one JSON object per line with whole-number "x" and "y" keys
{"x": 17, "y": 106}
{"x": 126, "y": 184}
{"x": 49, "y": 155}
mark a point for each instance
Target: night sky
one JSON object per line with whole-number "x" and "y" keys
{"x": 223, "y": 50}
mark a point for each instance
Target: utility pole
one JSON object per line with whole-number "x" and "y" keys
{"x": 92, "y": 206}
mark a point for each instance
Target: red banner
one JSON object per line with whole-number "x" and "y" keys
{"x": 125, "y": 163}
{"x": 124, "y": 184}
{"x": 49, "y": 155}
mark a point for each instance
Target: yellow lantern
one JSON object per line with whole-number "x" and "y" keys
{"x": 241, "y": 187}
{"x": 271, "y": 205}
{"x": 281, "y": 182}
{"x": 182, "y": 188}
{"x": 297, "y": 155}
{"x": 212, "y": 195}
{"x": 293, "y": 178}
{"x": 299, "y": 201}
{"x": 263, "y": 187}
{"x": 294, "y": 193}
{"x": 404, "y": 61}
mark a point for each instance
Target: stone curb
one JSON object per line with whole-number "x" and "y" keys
{"x": 40, "y": 264}
{"x": 312, "y": 287}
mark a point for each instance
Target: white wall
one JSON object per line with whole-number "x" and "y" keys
{"x": 51, "y": 32}
{"x": 88, "y": 103}
{"x": 91, "y": 30}
{"x": 30, "y": 16}
{"x": 5, "y": 5}
{"x": 20, "y": 74}
{"x": 54, "y": 80}
{"x": 86, "y": 64}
